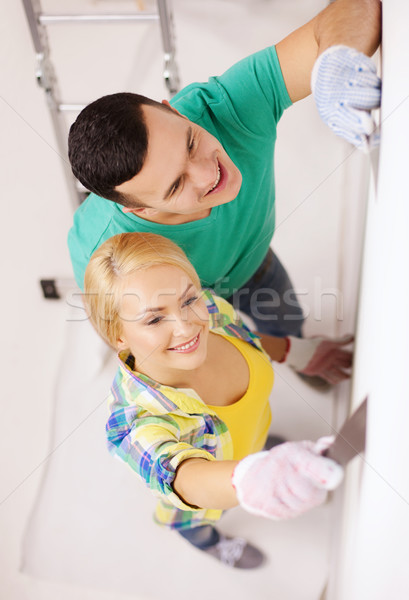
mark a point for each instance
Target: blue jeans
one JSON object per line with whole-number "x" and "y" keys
{"x": 201, "y": 537}
{"x": 269, "y": 299}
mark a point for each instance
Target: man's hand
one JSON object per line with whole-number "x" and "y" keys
{"x": 320, "y": 357}
{"x": 287, "y": 480}
{"x": 346, "y": 88}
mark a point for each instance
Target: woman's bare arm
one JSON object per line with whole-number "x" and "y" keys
{"x": 206, "y": 483}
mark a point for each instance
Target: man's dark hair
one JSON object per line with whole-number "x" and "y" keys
{"x": 108, "y": 142}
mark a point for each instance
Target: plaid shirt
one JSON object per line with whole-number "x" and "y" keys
{"x": 154, "y": 427}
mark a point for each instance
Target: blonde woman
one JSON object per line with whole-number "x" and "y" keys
{"x": 189, "y": 406}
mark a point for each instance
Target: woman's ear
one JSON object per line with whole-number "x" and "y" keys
{"x": 121, "y": 344}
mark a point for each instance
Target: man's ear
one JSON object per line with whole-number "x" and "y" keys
{"x": 166, "y": 103}
{"x": 142, "y": 211}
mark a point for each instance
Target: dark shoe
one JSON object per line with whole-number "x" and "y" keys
{"x": 236, "y": 552}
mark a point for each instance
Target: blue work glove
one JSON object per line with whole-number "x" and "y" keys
{"x": 346, "y": 88}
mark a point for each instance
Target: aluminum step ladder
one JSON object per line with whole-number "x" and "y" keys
{"x": 39, "y": 21}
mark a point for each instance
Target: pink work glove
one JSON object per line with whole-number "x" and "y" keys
{"x": 320, "y": 356}
{"x": 287, "y": 480}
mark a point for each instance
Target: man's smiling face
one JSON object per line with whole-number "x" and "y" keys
{"x": 186, "y": 171}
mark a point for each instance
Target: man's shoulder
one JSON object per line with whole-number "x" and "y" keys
{"x": 96, "y": 220}
{"x": 92, "y": 217}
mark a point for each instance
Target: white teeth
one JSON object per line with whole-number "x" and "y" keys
{"x": 218, "y": 178}
{"x": 186, "y": 346}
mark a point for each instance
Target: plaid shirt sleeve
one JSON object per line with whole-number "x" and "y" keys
{"x": 153, "y": 446}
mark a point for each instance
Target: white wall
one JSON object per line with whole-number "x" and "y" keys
{"x": 372, "y": 562}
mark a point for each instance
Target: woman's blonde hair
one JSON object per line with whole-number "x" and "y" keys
{"x": 114, "y": 261}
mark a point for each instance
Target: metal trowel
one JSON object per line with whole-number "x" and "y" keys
{"x": 350, "y": 440}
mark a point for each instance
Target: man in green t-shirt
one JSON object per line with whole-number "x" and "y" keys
{"x": 200, "y": 169}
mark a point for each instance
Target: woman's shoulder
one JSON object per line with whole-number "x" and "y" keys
{"x": 226, "y": 320}
{"x": 220, "y": 310}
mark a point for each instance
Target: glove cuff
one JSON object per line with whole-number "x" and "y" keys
{"x": 241, "y": 470}
{"x": 322, "y": 57}
{"x": 301, "y": 351}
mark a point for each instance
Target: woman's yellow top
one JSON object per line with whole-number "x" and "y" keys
{"x": 248, "y": 419}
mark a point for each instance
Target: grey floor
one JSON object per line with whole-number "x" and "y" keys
{"x": 66, "y": 530}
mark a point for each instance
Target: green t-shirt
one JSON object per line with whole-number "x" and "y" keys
{"x": 241, "y": 109}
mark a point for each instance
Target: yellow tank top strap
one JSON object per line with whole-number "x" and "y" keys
{"x": 249, "y": 418}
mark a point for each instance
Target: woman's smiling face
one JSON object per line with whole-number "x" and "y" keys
{"x": 165, "y": 322}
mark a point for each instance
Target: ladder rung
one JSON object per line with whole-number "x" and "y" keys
{"x": 75, "y": 19}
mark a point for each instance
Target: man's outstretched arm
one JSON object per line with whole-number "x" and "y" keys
{"x": 353, "y": 23}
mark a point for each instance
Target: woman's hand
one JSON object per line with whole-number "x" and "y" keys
{"x": 286, "y": 481}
